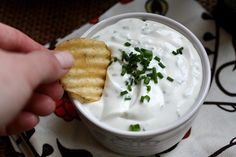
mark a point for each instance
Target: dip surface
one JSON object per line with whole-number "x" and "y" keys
{"x": 169, "y": 98}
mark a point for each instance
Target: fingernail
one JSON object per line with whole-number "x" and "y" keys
{"x": 65, "y": 59}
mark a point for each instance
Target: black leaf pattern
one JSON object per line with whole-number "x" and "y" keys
{"x": 168, "y": 150}
{"x": 232, "y": 141}
{"x": 226, "y": 106}
{"x": 233, "y": 108}
{"x": 30, "y": 133}
{"x": 209, "y": 51}
{"x": 29, "y": 144}
{"x": 19, "y": 140}
{"x": 219, "y": 83}
{"x": 66, "y": 152}
{"x": 208, "y": 36}
{"x": 206, "y": 16}
{"x": 223, "y": 105}
{"x": 218, "y": 152}
{"x": 234, "y": 46}
{"x": 47, "y": 150}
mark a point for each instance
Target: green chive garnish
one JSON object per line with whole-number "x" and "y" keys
{"x": 148, "y": 88}
{"x": 115, "y": 59}
{"x": 124, "y": 56}
{"x": 157, "y": 58}
{"x": 146, "y": 97}
{"x": 137, "y": 49}
{"x": 170, "y": 79}
{"x": 146, "y": 80}
{"x": 160, "y": 75}
{"x": 134, "y": 127}
{"x": 178, "y": 51}
{"x": 161, "y": 65}
{"x": 127, "y": 44}
{"x": 123, "y": 93}
{"x": 147, "y": 54}
{"x": 127, "y": 98}
{"x": 129, "y": 88}
{"x": 174, "y": 53}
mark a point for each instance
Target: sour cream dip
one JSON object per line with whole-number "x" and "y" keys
{"x": 164, "y": 90}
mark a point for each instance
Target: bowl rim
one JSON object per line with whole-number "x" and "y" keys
{"x": 205, "y": 69}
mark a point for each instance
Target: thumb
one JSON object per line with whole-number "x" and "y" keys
{"x": 46, "y": 67}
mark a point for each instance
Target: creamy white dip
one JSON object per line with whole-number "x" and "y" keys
{"x": 169, "y": 100}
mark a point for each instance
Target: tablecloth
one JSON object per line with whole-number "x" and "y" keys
{"x": 213, "y": 133}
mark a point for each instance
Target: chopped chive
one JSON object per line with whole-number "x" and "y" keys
{"x": 127, "y": 98}
{"x": 134, "y": 127}
{"x": 123, "y": 93}
{"x": 148, "y": 88}
{"x": 154, "y": 75}
{"x": 178, "y": 51}
{"x": 170, "y": 79}
{"x": 124, "y": 56}
{"x": 157, "y": 58}
{"x": 137, "y": 49}
{"x": 174, "y": 53}
{"x": 147, "y": 53}
{"x": 142, "y": 99}
{"x": 115, "y": 59}
{"x": 161, "y": 65}
{"x": 129, "y": 88}
{"x": 146, "y": 97}
{"x": 127, "y": 44}
{"x": 145, "y": 63}
{"x": 131, "y": 81}
{"x": 146, "y": 80}
{"x": 155, "y": 80}
{"x": 141, "y": 78}
{"x": 123, "y": 72}
{"x": 160, "y": 75}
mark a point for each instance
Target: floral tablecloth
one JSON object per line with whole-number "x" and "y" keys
{"x": 213, "y": 133}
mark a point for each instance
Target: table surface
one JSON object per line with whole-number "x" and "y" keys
{"x": 46, "y": 21}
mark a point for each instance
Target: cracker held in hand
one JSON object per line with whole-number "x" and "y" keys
{"x": 85, "y": 80}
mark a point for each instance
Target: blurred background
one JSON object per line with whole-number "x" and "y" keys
{"x": 45, "y": 20}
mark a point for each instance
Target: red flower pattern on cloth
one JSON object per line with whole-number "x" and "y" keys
{"x": 187, "y": 134}
{"x": 94, "y": 20}
{"x": 66, "y": 110}
{"x": 125, "y": 1}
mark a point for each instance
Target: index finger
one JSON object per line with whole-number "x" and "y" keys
{"x": 12, "y": 39}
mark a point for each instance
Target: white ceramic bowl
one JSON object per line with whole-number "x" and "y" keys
{"x": 161, "y": 139}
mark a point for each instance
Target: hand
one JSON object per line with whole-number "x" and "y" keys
{"x": 29, "y": 84}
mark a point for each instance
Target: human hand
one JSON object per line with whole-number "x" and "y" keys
{"x": 29, "y": 84}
